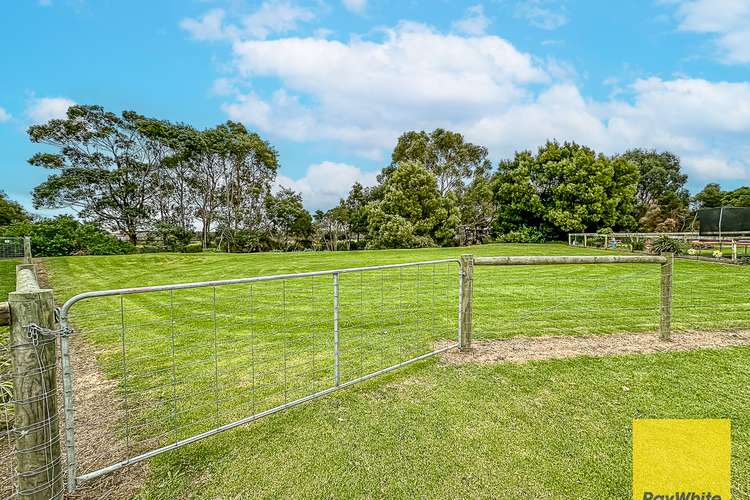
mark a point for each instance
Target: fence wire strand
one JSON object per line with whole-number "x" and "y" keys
{"x": 193, "y": 360}
{"x": 177, "y": 363}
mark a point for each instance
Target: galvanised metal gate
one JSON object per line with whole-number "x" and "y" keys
{"x": 192, "y": 360}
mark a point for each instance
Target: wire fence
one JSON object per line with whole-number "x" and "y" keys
{"x": 11, "y": 247}
{"x": 183, "y": 362}
{"x": 7, "y": 441}
{"x": 190, "y": 362}
{"x": 607, "y": 299}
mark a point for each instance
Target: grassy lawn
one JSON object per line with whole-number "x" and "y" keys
{"x": 189, "y": 360}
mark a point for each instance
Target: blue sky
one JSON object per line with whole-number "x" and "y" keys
{"x": 333, "y": 83}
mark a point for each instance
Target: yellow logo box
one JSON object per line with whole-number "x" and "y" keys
{"x": 681, "y": 459}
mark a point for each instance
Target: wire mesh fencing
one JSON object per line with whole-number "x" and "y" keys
{"x": 607, "y": 299}
{"x": 11, "y": 247}
{"x": 7, "y": 441}
{"x": 30, "y": 458}
{"x": 565, "y": 300}
{"x": 187, "y": 362}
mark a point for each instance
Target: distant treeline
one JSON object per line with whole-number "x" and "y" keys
{"x": 163, "y": 185}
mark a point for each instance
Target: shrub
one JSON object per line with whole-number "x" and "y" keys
{"x": 391, "y": 231}
{"x": 171, "y": 236}
{"x": 193, "y": 248}
{"x": 523, "y": 234}
{"x": 147, "y": 249}
{"x": 424, "y": 242}
{"x": 64, "y": 235}
{"x": 636, "y": 244}
{"x": 665, "y": 244}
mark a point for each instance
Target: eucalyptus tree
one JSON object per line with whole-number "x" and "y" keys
{"x": 104, "y": 168}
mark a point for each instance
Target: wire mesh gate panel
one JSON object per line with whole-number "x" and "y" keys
{"x": 11, "y": 247}
{"x": 188, "y": 361}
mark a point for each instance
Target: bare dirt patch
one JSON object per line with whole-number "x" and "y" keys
{"x": 524, "y": 349}
{"x": 95, "y": 396}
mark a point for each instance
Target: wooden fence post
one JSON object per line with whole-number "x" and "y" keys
{"x": 33, "y": 356}
{"x": 665, "y": 324}
{"x": 734, "y": 251}
{"x": 467, "y": 294}
{"x": 27, "y": 250}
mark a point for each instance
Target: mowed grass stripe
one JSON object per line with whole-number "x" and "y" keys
{"x": 284, "y": 330}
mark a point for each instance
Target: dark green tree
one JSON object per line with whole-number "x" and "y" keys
{"x": 445, "y": 154}
{"x": 411, "y": 211}
{"x": 104, "y": 167}
{"x": 11, "y": 211}
{"x": 564, "y": 188}
{"x": 356, "y": 206}
{"x": 288, "y": 217}
{"x": 712, "y": 196}
{"x": 661, "y": 192}
{"x": 740, "y": 197}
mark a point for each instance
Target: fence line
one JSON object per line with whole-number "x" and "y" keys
{"x": 274, "y": 342}
{"x": 13, "y": 247}
{"x": 192, "y": 360}
{"x": 469, "y": 261}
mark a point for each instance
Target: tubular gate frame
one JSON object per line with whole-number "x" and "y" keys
{"x": 69, "y": 410}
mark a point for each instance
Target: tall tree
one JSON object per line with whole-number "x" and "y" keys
{"x": 445, "y": 154}
{"x": 412, "y": 212}
{"x": 712, "y": 196}
{"x": 565, "y": 188}
{"x": 356, "y": 206}
{"x": 11, "y": 211}
{"x": 288, "y": 217}
{"x": 661, "y": 192}
{"x": 106, "y": 170}
{"x": 249, "y": 166}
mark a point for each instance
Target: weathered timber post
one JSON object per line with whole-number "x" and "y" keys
{"x": 734, "y": 251}
{"x": 467, "y": 295}
{"x": 33, "y": 356}
{"x": 27, "y": 250}
{"x": 665, "y": 324}
{"x": 585, "y": 241}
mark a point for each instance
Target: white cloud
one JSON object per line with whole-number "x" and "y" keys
{"x": 4, "y": 115}
{"x": 475, "y": 23}
{"x": 538, "y": 15}
{"x": 356, "y": 6}
{"x": 208, "y": 27}
{"x": 362, "y": 94}
{"x": 324, "y": 184}
{"x": 728, "y": 20}
{"x": 44, "y": 109}
{"x": 703, "y": 121}
{"x": 273, "y": 16}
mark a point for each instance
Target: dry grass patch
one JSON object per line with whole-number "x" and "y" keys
{"x": 523, "y": 349}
